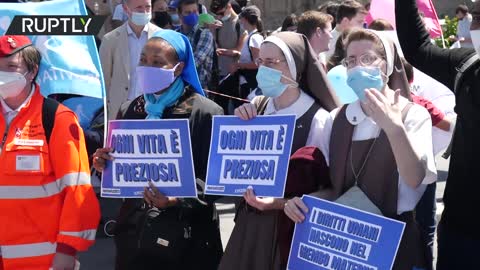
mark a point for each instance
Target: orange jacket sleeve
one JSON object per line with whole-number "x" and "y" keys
{"x": 80, "y": 213}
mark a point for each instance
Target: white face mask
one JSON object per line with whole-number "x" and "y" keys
{"x": 11, "y": 84}
{"x": 476, "y": 40}
{"x": 141, "y": 19}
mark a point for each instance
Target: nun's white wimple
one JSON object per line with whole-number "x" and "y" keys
{"x": 286, "y": 51}
{"x": 388, "y": 51}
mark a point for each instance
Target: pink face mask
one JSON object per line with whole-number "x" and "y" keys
{"x": 151, "y": 80}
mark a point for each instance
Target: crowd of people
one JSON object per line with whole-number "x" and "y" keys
{"x": 181, "y": 59}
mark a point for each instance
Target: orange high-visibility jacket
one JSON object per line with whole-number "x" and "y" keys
{"x": 46, "y": 199}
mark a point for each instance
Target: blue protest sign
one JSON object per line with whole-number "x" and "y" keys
{"x": 149, "y": 150}
{"x": 250, "y": 153}
{"x": 336, "y": 237}
{"x": 70, "y": 64}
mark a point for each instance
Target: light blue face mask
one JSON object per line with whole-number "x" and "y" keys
{"x": 175, "y": 18}
{"x": 141, "y": 19}
{"x": 361, "y": 78}
{"x": 269, "y": 82}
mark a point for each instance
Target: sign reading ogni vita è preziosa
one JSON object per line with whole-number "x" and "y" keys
{"x": 252, "y": 153}
{"x": 149, "y": 150}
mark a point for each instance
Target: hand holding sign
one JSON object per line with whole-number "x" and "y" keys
{"x": 261, "y": 204}
{"x": 100, "y": 157}
{"x": 153, "y": 197}
{"x": 296, "y": 210}
{"x": 246, "y": 112}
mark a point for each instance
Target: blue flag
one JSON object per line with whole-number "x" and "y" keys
{"x": 70, "y": 64}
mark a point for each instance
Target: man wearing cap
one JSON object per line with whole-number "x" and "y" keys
{"x": 48, "y": 208}
{"x": 120, "y": 54}
{"x": 173, "y": 11}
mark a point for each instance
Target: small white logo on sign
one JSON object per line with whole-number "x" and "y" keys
{"x": 28, "y": 163}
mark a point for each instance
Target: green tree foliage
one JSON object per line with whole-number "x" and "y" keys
{"x": 449, "y": 29}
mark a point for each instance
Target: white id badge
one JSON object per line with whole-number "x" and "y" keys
{"x": 26, "y": 142}
{"x": 28, "y": 163}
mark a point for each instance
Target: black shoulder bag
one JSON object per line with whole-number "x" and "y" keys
{"x": 165, "y": 234}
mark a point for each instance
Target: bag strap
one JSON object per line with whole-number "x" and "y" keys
{"x": 262, "y": 104}
{"x": 248, "y": 45}
{"x": 238, "y": 29}
{"x": 466, "y": 66}
{"x": 196, "y": 38}
{"x": 49, "y": 110}
{"x": 405, "y": 111}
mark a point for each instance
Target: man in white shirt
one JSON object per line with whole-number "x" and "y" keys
{"x": 120, "y": 54}
{"x": 463, "y": 28}
{"x": 350, "y": 14}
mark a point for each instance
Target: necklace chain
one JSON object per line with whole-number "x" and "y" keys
{"x": 357, "y": 175}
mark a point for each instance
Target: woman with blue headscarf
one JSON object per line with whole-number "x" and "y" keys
{"x": 169, "y": 81}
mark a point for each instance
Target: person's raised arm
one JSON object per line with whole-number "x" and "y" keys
{"x": 440, "y": 64}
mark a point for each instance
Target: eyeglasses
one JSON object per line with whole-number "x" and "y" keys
{"x": 269, "y": 62}
{"x": 366, "y": 59}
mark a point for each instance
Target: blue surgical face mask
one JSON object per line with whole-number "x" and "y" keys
{"x": 361, "y": 78}
{"x": 141, "y": 19}
{"x": 175, "y": 18}
{"x": 191, "y": 20}
{"x": 269, "y": 80}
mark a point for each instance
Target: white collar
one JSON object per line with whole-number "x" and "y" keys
{"x": 6, "y": 109}
{"x": 130, "y": 30}
{"x": 298, "y": 108}
{"x": 355, "y": 114}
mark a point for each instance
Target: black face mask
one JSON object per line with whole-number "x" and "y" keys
{"x": 162, "y": 19}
